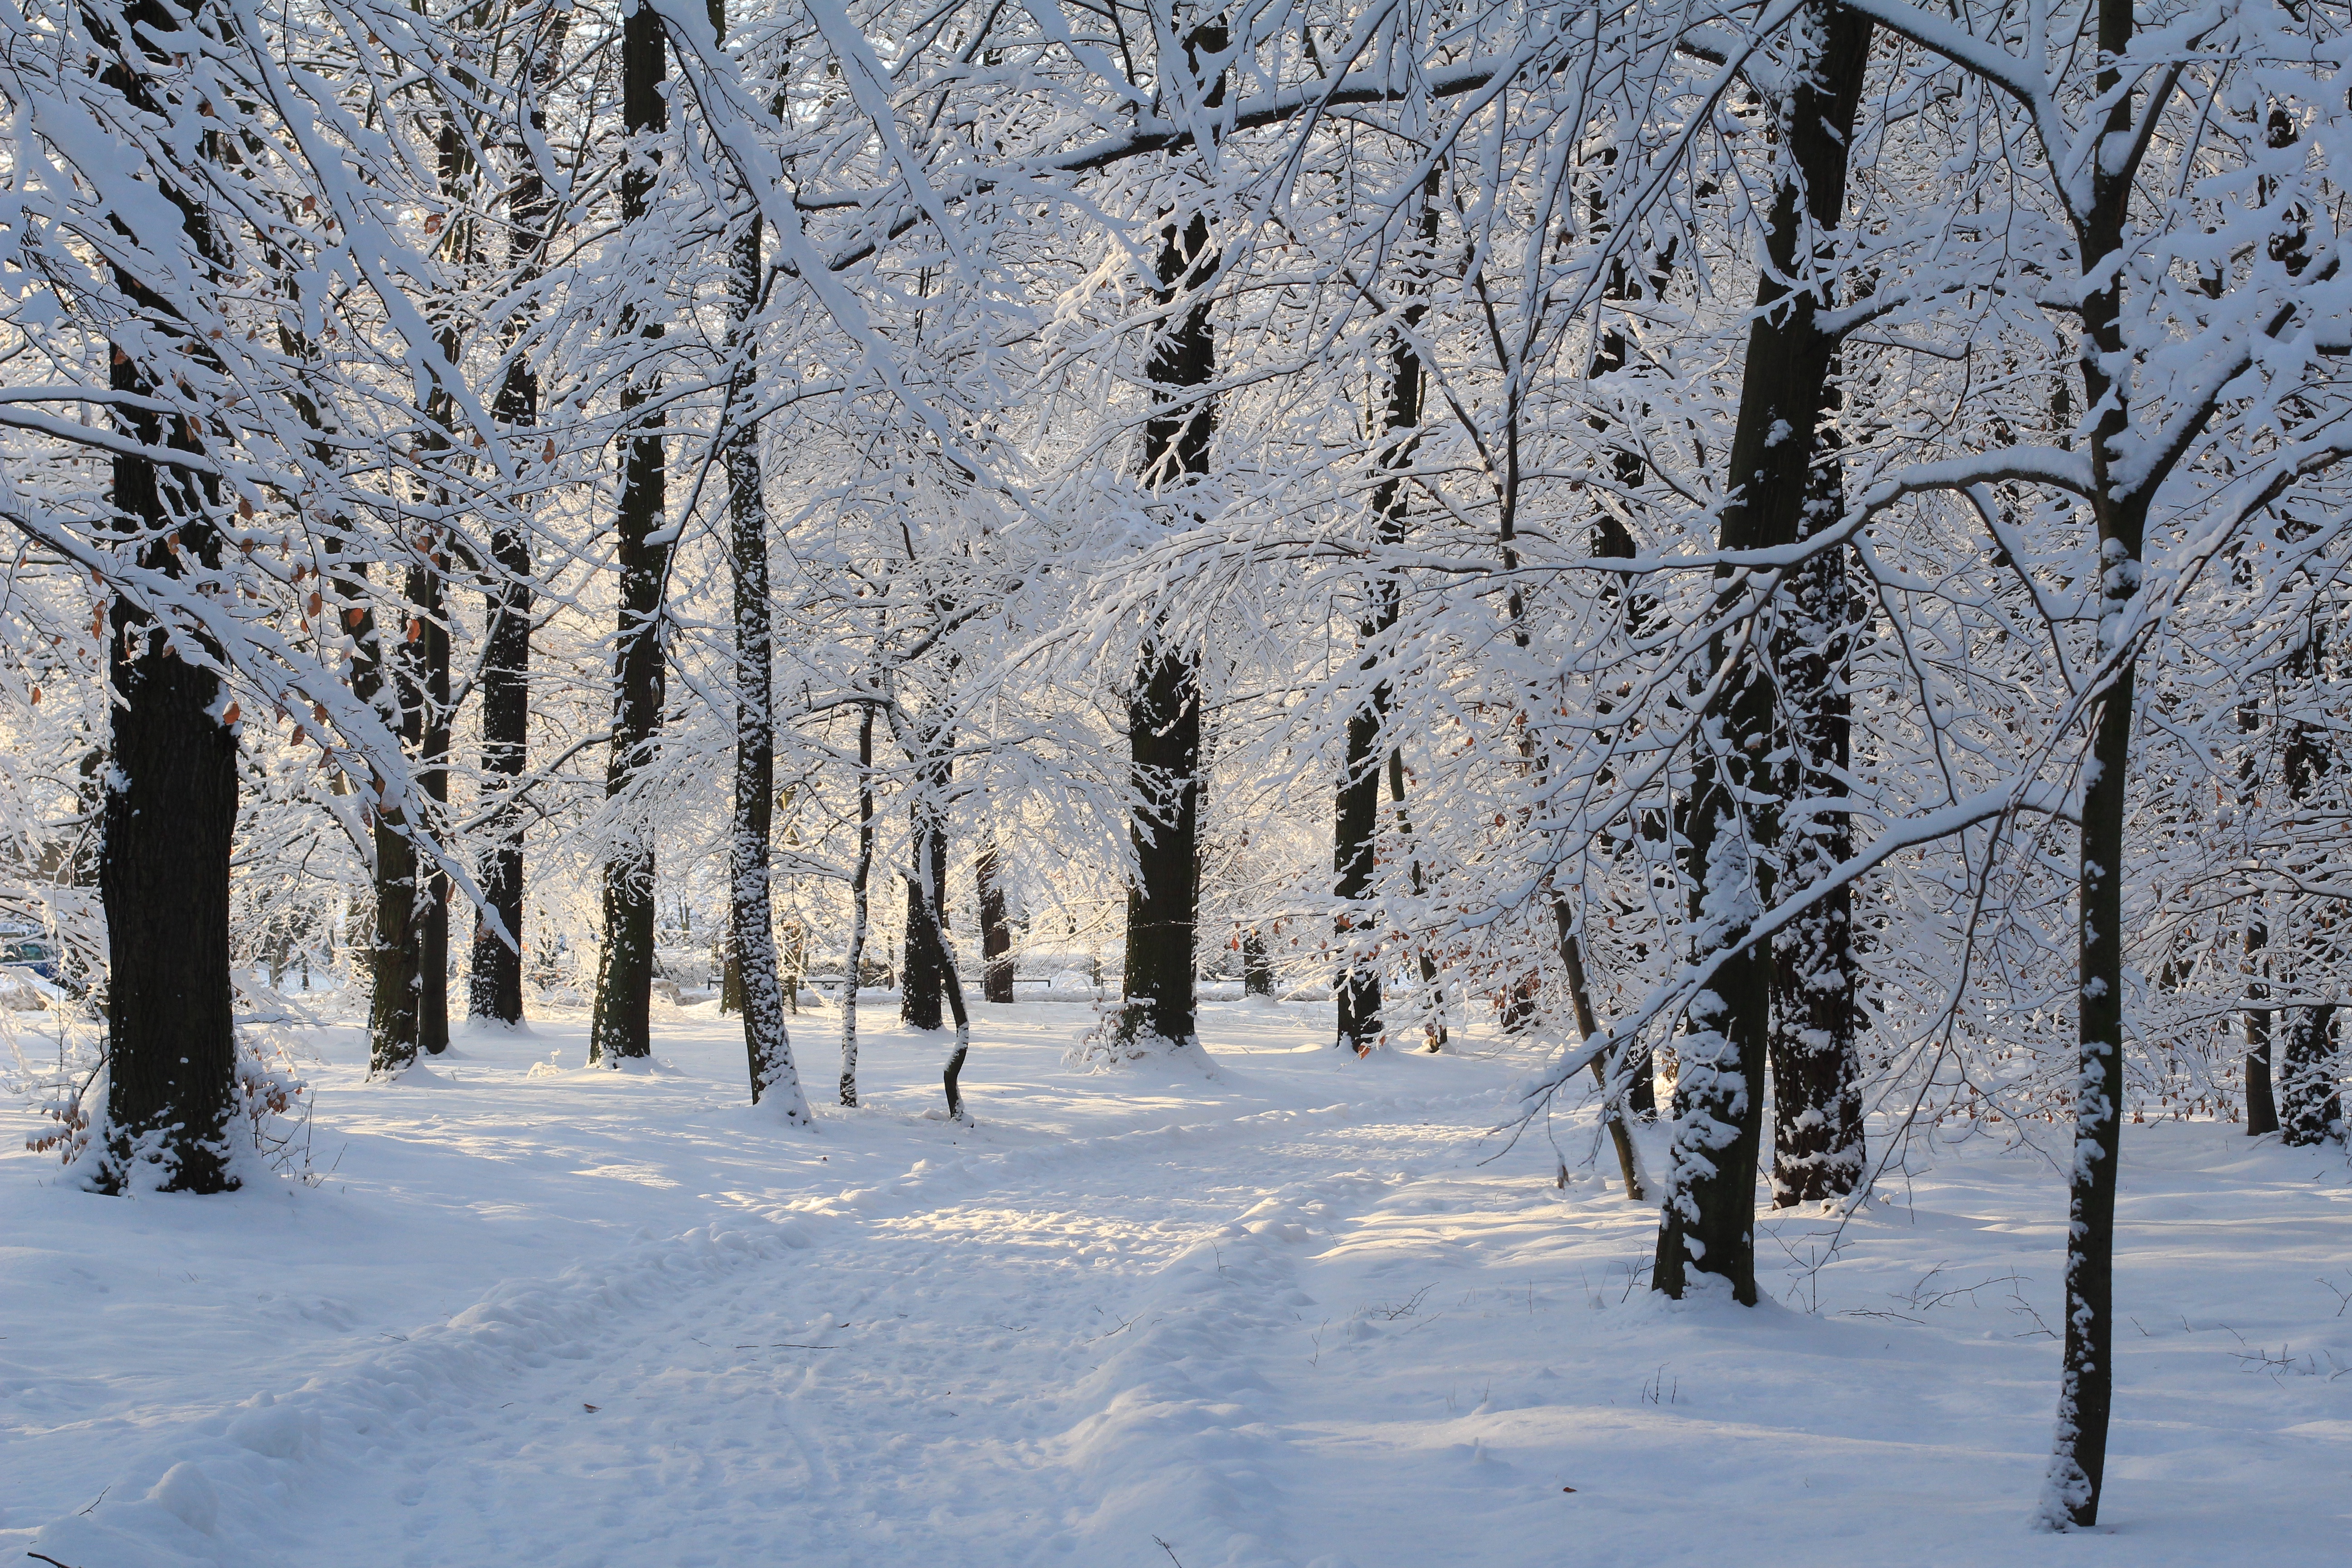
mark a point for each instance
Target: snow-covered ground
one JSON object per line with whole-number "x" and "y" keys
{"x": 1306, "y": 1313}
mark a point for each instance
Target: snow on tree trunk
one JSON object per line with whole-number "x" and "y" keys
{"x": 495, "y": 982}
{"x": 751, "y": 935}
{"x": 1163, "y": 711}
{"x": 624, "y": 975}
{"x": 860, "y": 879}
{"x": 171, "y": 796}
{"x": 995, "y": 926}
{"x": 923, "y": 974}
{"x": 2086, "y": 1375}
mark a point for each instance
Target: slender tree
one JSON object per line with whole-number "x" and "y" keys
{"x": 621, "y": 1028}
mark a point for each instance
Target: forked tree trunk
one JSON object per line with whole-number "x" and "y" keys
{"x": 170, "y": 807}
{"x": 1731, "y": 819}
{"x": 624, "y": 975}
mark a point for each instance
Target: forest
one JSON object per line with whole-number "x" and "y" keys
{"x": 1725, "y": 620}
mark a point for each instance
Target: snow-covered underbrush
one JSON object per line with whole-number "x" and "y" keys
{"x": 1309, "y": 1312}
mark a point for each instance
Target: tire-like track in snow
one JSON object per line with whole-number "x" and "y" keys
{"x": 1031, "y": 1356}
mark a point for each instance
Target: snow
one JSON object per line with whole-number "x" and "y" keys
{"x": 1305, "y": 1310}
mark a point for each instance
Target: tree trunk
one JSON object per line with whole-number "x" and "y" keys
{"x": 2087, "y": 1378}
{"x": 1163, "y": 710}
{"x": 751, "y": 934}
{"x": 1433, "y": 1029}
{"x": 2309, "y": 1106}
{"x": 496, "y": 988}
{"x": 924, "y": 973}
{"x": 1730, "y": 819}
{"x": 995, "y": 929}
{"x": 1605, "y": 1074}
{"x": 1257, "y": 967}
{"x": 1357, "y": 987}
{"x": 860, "y": 877}
{"x": 2262, "y": 1105}
{"x": 1164, "y": 746}
{"x": 425, "y": 586}
{"x": 928, "y": 912}
{"x": 1817, "y": 1130}
{"x": 2310, "y": 1098}
{"x": 624, "y": 977}
{"x": 1355, "y": 819}
{"x": 170, "y": 799}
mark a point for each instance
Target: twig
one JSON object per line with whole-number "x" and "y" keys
{"x": 1171, "y": 1553}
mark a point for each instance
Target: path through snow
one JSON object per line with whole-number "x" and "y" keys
{"x": 1308, "y": 1314}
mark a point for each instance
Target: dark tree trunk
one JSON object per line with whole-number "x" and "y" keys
{"x": 433, "y": 757}
{"x": 751, "y": 934}
{"x": 995, "y": 928}
{"x": 2310, "y": 1098}
{"x": 1433, "y": 1029}
{"x": 1731, "y": 819}
{"x": 1604, "y": 1073}
{"x": 1257, "y": 968}
{"x": 923, "y": 975}
{"x": 624, "y": 977}
{"x": 2087, "y": 1378}
{"x": 2309, "y": 1105}
{"x": 1163, "y": 709}
{"x": 2262, "y": 1105}
{"x": 951, "y": 1073}
{"x": 1817, "y": 1132}
{"x": 1355, "y": 818}
{"x": 496, "y": 988}
{"x": 1357, "y": 987}
{"x": 860, "y": 912}
{"x": 170, "y": 807}
{"x": 1165, "y": 747}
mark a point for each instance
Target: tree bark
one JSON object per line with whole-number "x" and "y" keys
{"x": 923, "y": 974}
{"x": 751, "y": 934}
{"x": 1731, "y": 819}
{"x": 2086, "y": 1377}
{"x": 495, "y": 990}
{"x": 1433, "y": 1029}
{"x": 1817, "y": 1133}
{"x": 621, "y": 1026}
{"x": 170, "y": 808}
{"x": 860, "y": 877}
{"x": 1605, "y": 1074}
{"x": 1163, "y": 710}
{"x": 2309, "y": 1103}
{"x": 1257, "y": 967}
{"x": 995, "y": 928}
